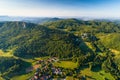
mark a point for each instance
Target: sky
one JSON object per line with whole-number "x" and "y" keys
{"x": 61, "y": 8}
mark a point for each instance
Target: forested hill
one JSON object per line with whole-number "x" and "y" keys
{"x": 106, "y": 31}
{"x": 36, "y": 40}
{"x": 53, "y": 38}
{"x": 48, "y": 39}
{"x": 85, "y": 26}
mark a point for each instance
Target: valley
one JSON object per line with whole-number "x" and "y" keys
{"x": 59, "y": 39}
{"x": 68, "y": 49}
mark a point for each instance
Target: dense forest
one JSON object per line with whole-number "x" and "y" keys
{"x": 88, "y": 43}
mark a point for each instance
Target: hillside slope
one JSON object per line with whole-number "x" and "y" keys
{"x": 36, "y": 40}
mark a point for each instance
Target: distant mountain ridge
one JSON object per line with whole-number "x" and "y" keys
{"x": 36, "y": 20}
{"x": 42, "y": 20}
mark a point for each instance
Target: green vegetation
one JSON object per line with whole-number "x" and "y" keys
{"x": 9, "y": 67}
{"x": 101, "y": 75}
{"x": 91, "y": 48}
{"x": 74, "y": 25}
{"x": 66, "y": 64}
{"x": 36, "y": 40}
{"x": 23, "y": 77}
{"x": 71, "y": 78}
{"x": 110, "y": 40}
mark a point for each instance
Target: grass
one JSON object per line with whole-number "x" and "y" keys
{"x": 110, "y": 40}
{"x": 1, "y": 78}
{"x": 31, "y": 61}
{"x": 6, "y": 54}
{"x": 71, "y": 78}
{"x": 27, "y": 76}
{"x": 101, "y": 75}
{"x": 116, "y": 53}
{"x": 66, "y": 64}
{"x": 23, "y": 77}
{"x": 89, "y": 45}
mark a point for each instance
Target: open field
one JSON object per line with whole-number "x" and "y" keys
{"x": 1, "y": 78}
{"x": 6, "y": 54}
{"x": 66, "y": 64}
{"x": 23, "y": 77}
{"x": 101, "y": 75}
{"x": 71, "y": 78}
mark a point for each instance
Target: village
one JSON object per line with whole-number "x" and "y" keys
{"x": 44, "y": 69}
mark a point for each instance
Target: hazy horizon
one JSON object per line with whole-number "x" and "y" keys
{"x": 61, "y": 8}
